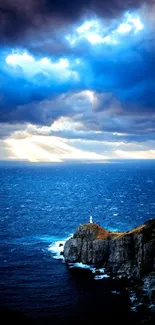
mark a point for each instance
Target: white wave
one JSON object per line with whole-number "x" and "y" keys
{"x": 96, "y": 270}
{"x": 134, "y": 308}
{"x": 93, "y": 270}
{"x": 132, "y": 297}
{"x": 101, "y": 276}
{"x": 102, "y": 270}
{"x": 105, "y": 276}
{"x": 71, "y": 265}
{"x": 115, "y": 292}
{"x": 56, "y": 248}
{"x": 79, "y": 265}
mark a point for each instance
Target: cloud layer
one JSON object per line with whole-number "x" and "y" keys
{"x": 79, "y": 71}
{"x": 19, "y": 16}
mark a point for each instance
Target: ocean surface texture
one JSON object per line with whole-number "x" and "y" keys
{"x": 41, "y": 206}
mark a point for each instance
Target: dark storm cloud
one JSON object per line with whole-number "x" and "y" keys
{"x": 38, "y": 112}
{"x": 6, "y": 130}
{"x": 20, "y": 17}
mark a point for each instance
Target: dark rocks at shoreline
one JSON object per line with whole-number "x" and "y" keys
{"x": 129, "y": 255}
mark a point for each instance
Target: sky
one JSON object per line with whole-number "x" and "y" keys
{"x": 77, "y": 80}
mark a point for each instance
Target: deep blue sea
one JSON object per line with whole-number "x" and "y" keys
{"x": 41, "y": 206}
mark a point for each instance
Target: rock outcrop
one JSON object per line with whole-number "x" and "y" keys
{"x": 130, "y": 254}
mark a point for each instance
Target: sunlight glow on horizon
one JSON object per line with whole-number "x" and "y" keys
{"x": 121, "y": 154}
{"x": 53, "y": 149}
{"x": 24, "y": 149}
{"x": 48, "y": 149}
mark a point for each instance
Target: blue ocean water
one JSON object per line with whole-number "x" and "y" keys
{"x": 41, "y": 206}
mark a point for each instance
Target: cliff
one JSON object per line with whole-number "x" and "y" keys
{"x": 130, "y": 254}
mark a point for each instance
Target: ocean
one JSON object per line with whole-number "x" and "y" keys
{"x": 40, "y": 207}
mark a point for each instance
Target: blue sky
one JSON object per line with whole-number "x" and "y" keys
{"x": 77, "y": 80}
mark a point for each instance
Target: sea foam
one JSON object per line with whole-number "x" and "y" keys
{"x": 56, "y": 248}
{"x": 98, "y": 274}
{"x": 79, "y": 265}
{"x": 101, "y": 276}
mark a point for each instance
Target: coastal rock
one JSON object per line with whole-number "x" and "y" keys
{"x": 72, "y": 250}
{"x": 130, "y": 254}
{"x": 88, "y": 245}
{"x": 148, "y": 289}
{"x": 126, "y": 255}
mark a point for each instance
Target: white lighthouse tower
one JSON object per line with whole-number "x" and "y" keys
{"x": 91, "y": 219}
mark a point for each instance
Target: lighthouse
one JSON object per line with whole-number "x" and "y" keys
{"x": 91, "y": 219}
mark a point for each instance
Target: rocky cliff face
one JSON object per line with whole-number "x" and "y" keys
{"x": 123, "y": 255}
{"x": 130, "y": 254}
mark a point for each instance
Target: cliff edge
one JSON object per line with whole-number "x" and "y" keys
{"x": 129, "y": 254}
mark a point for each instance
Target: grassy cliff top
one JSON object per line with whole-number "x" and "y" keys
{"x": 92, "y": 231}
